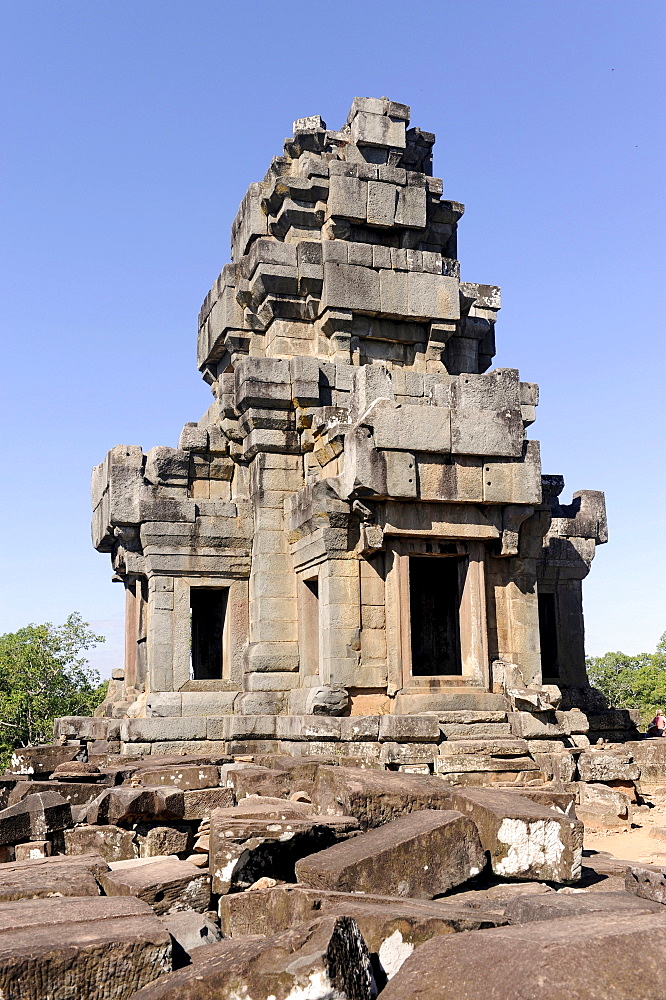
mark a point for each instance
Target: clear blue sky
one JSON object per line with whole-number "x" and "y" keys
{"x": 131, "y": 131}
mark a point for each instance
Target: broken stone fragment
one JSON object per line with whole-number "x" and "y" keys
{"x": 553, "y": 905}
{"x": 155, "y": 840}
{"x": 167, "y": 884}
{"x": 586, "y": 957}
{"x": 319, "y": 961}
{"x": 421, "y": 855}
{"x": 33, "y": 850}
{"x": 85, "y": 947}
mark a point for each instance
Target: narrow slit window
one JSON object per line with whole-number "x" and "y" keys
{"x": 309, "y": 626}
{"x": 548, "y": 636}
{"x": 208, "y": 607}
{"x": 434, "y": 595}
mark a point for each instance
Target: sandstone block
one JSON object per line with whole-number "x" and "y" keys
{"x": 409, "y": 728}
{"x": 87, "y": 947}
{"x": 189, "y": 931}
{"x": 198, "y": 803}
{"x": 34, "y": 817}
{"x": 157, "y": 841}
{"x": 33, "y": 850}
{"x": 422, "y": 854}
{"x": 647, "y": 883}
{"x": 553, "y": 905}
{"x": 584, "y": 957}
{"x": 125, "y": 805}
{"x": 327, "y": 958}
{"x": 40, "y": 878}
{"x": 187, "y": 776}
{"x": 111, "y": 842}
{"x": 167, "y": 884}
{"x": 391, "y": 927}
{"x": 597, "y": 765}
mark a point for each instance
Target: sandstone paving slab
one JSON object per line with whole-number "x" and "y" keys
{"x": 324, "y": 960}
{"x": 66, "y": 949}
{"x": 167, "y": 884}
{"x": 40, "y": 878}
{"x": 421, "y": 855}
{"x": 524, "y": 909}
{"x": 592, "y": 957}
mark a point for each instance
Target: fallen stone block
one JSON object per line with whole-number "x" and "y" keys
{"x": 189, "y": 930}
{"x": 419, "y": 855}
{"x": 244, "y": 849}
{"x": 127, "y": 805}
{"x": 602, "y": 807}
{"x": 648, "y": 883}
{"x": 462, "y": 763}
{"x": 76, "y": 948}
{"x": 113, "y": 843}
{"x": 166, "y": 884}
{"x": 375, "y": 797}
{"x": 391, "y": 927}
{"x": 183, "y": 776}
{"x": 600, "y": 765}
{"x": 155, "y": 840}
{"x": 39, "y": 878}
{"x": 40, "y": 761}
{"x": 32, "y": 850}
{"x": 524, "y": 840}
{"x": 77, "y": 793}
{"x": 200, "y": 802}
{"x": 34, "y": 817}
{"x": 614, "y": 956}
{"x": 323, "y": 960}
{"x": 552, "y": 905}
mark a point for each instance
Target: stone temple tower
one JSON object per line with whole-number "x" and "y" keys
{"x": 358, "y": 525}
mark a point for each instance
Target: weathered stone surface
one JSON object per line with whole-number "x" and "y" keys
{"x": 110, "y": 842}
{"x": 77, "y": 793}
{"x": 586, "y": 957}
{"x": 32, "y": 850}
{"x": 40, "y": 878}
{"x": 125, "y": 805}
{"x": 40, "y": 761}
{"x": 166, "y": 884}
{"x": 187, "y": 776}
{"x": 327, "y": 958}
{"x": 61, "y": 948}
{"x": 421, "y": 855}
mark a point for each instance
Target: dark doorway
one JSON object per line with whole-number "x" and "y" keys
{"x": 434, "y": 595}
{"x": 548, "y": 636}
{"x": 208, "y": 608}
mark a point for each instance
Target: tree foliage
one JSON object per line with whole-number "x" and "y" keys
{"x": 632, "y": 681}
{"x": 42, "y": 676}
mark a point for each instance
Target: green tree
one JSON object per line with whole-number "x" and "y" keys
{"x": 632, "y": 681}
{"x": 42, "y": 676}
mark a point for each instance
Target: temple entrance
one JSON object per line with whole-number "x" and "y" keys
{"x": 434, "y": 600}
{"x": 208, "y": 608}
{"x": 550, "y": 667}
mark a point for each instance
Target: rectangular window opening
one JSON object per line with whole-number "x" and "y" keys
{"x": 208, "y": 607}
{"x": 434, "y": 596}
{"x": 548, "y": 636}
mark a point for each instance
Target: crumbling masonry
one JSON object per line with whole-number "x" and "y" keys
{"x": 358, "y": 526}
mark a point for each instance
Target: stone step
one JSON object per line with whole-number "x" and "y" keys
{"x": 418, "y": 702}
